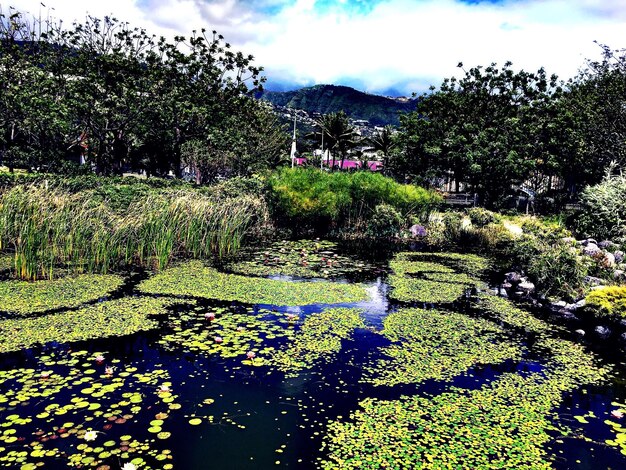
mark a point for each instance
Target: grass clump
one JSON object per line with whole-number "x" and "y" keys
{"x": 195, "y": 279}
{"x": 607, "y": 301}
{"x": 439, "y": 345}
{"x": 113, "y": 318}
{"x": 23, "y": 297}
{"x": 320, "y": 336}
{"x": 49, "y": 228}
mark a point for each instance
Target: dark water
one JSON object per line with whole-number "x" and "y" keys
{"x": 264, "y": 420}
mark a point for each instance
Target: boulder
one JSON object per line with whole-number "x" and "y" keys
{"x": 619, "y": 256}
{"x": 593, "y": 281}
{"x": 609, "y": 260}
{"x": 569, "y": 240}
{"x": 589, "y": 241}
{"x": 602, "y": 331}
{"x": 558, "y": 305}
{"x": 513, "y": 277}
{"x": 619, "y": 275}
{"x": 608, "y": 245}
{"x": 580, "y": 332}
{"x": 591, "y": 249}
{"x": 527, "y": 287}
{"x": 622, "y": 337}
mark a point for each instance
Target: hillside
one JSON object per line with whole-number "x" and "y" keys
{"x": 323, "y": 99}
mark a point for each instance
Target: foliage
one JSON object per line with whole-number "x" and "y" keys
{"x": 195, "y": 279}
{"x": 310, "y": 198}
{"x": 481, "y": 217}
{"x": 385, "y": 222}
{"x": 558, "y": 270}
{"x": 30, "y": 297}
{"x": 319, "y": 337}
{"x": 117, "y": 96}
{"x": 112, "y": 318}
{"x": 46, "y": 228}
{"x": 604, "y": 208}
{"x": 607, "y": 301}
{"x": 432, "y": 344}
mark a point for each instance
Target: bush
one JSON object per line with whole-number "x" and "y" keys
{"x": 607, "y": 301}
{"x": 481, "y": 217}
{"x": 314, "y": 199}
{"x": 385, "y": 222}
{"x": 604, "y": 209}
{"x": 558, "y": 270}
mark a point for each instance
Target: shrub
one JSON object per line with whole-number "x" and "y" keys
{"x": 604, "y": 209}
{"x": 385, "y": 222}
{"x": 558, "y": 270}
{"x": 607, "y": 301}
{"x": 481, "y": 217}
{"x": 310, "y": 198}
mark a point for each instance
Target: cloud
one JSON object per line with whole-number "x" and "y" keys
{"x": 381, "y": 45}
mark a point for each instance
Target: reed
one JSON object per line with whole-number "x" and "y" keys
{"x": 48, "y": 229}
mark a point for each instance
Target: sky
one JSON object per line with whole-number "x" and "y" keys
{"x": 389, "y": 47}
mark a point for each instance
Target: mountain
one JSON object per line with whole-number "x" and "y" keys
{"x": 324, "y": 99}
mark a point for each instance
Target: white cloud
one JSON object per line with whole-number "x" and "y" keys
{"x": 401, "y": 43}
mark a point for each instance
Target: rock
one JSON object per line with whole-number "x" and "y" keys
{"x": 608, "y": 245}
{"x": 602, "y": 331}
{"x": 507, "y": 285}
{"x": 580, "y": 304}
{"x": 566, "y": 314}
{"x": 527, "y": 287}
{"x": 619, "y": 256}
{"x": 418, "y": 231}
{"x": 580, "y": 332}
{"x": 609, "y": 260}
{"x": 623, "y": 337}
{"x": 593, "y": 281}
{"x": 558, "y": 305}
{"x": 591, "y": 249}
{"x": 513, "y": 277}
{"x": 619, "y": 275}
{"x": 589, "y": 241}
{"x": 503, "y": 293}
{"x": 622, "y": 322}
{"x": 568, "y": 240}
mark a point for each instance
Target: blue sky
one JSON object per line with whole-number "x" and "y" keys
{"x": 381, "y": 46}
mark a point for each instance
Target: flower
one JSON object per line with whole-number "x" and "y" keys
{"x": 218, "y": 339}
{"x": 617, "y": 414}
{"x": 45, "y": 374}
{"x": 91, "y": 435}
{"x": 164, "y": 388}
{"x": 209, "y": 316}
{"x": 292, "y": 316}
{"x": 108, "y": 370}
{"x": 129, "y": 466}
{"x": 99, "y": 358}
{"x": 240, "y": 328}
{"x": 250, "y": 355}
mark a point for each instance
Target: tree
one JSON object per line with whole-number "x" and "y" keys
{"x": 339, "y": 135}
{"x": 384, "y": 142}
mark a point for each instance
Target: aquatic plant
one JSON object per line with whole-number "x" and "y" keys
{"x": 196, "y": 279}
{"x": 504, "y": 424}
{"x": 432, "y": 344}
{"x": 49, "y": 228}
{"x": 319, "y": 337}
{"x": 113, "y": 318}
{"x": 505, "y": 311}
{"x": 303, "y": 258}
{"x": 23, "y": 298}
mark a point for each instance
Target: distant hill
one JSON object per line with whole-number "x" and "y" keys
{"x": 324, "y": 99}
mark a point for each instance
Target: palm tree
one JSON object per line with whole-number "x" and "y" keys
{"x": 339, "y": 135}
{"x": 384, "y": 143}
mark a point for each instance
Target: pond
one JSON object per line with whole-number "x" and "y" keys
{"x": 299, "y": 354}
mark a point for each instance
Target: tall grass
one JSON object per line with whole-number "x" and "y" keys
{"x": 312, "y": 198}
{"x": 48, "y": 229}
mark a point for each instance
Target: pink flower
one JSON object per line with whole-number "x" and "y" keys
{"x": 218, "y": 339}
{"x": 240, "y": 328}
{"x": 209, "y": 316}
{"x": 45, "y": 374}
{"x": 108, "y": 370}
{"x": 617, "y": 414}
{"x": 292, "y": 316}
{"x": 99, "y": 358}
{"x": 250, "y": 355}
{"x": 164, "y": 388}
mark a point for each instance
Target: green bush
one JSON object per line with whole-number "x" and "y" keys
{"x": 607, "y": 301}
{"x": 310, "y": 198}
{"x": 558, "y": 270}
{"x": 385, "y": 222}
{"x": 604, "y": 209}
{"x": 481, "y": 217}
